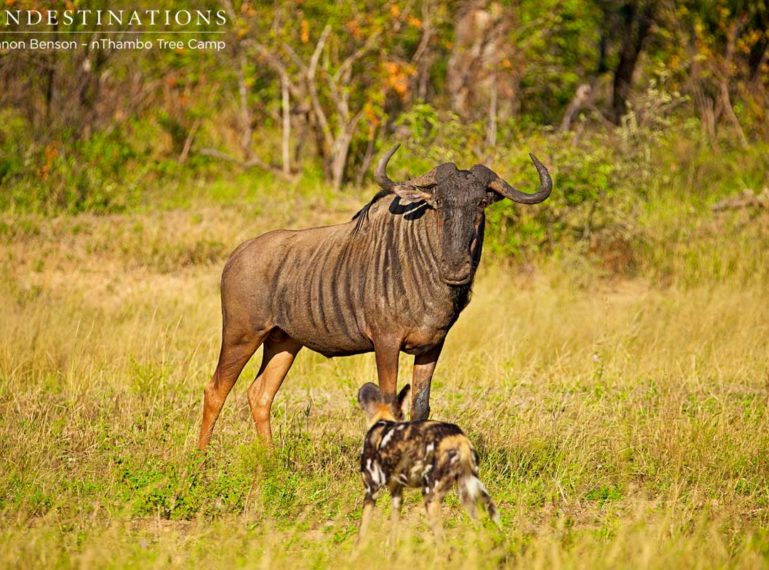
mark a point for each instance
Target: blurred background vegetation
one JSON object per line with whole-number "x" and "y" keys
{"x": 651, "y": 114}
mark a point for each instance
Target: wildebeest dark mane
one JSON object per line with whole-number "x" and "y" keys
{"x": 362, "y": 214}
{"x": 411, "y": 211}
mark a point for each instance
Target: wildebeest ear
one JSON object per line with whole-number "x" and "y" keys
{"x": 369, "y": 394}
{"x": 411, "y": 194}
{"x": 402, "y": 395}
{"x": 485, "y": 175}
{"x": 491, "y": 198}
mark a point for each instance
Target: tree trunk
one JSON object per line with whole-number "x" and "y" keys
{"x": 286, "y": 142}
{"x": 491, "y": 134}
{"x": 758, "y": 52}
{"x": 636, "y": 23}
{"x": 580, "y": 101}
{"x": 340, "y": 151}
{"x": 339, "y": 158}
{"x": 474, "y": 75}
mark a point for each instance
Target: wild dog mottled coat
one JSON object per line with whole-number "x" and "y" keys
{"x": 425, "y": 454}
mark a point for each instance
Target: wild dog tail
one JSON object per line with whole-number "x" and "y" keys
{"x": 471, "y": 488}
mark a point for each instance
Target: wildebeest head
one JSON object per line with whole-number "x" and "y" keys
{"x": 459, "y": 198}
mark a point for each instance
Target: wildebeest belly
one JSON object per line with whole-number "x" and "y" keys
{"x": 333, "y": 327}
{"x": 326, "y": 328}
{"x": 330, "y": 344}
{"x": 316, "y": 301}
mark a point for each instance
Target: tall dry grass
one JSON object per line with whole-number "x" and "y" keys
{"x": 619, "y": 423}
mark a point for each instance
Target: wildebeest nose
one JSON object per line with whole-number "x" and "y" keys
{"x": 457, "y": 275}
{"x": 465, "y": 267}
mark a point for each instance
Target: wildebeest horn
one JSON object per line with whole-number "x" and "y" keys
{"x": 425, "y": 181}
{"x": 494, "y": 182}
{"x": 380, "y": 175}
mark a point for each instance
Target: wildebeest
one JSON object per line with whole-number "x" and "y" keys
{"x": 394, "y": 278}
{"x": 432, "y": 456}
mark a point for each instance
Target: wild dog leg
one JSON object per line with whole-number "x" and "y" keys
{"x": 433, "y": 501}
{"x": 396, "y": 492}
{"x": 369, "y": 504}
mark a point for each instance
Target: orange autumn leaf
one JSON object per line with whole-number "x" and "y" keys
{"x": 398, "y": 76}
{"x": 51, "y": 153}
{"x": 354, "y": 28}
{"x": 371, "y": 115}
{"x": 305, "y": 32}
{"x": 415, "y": 22}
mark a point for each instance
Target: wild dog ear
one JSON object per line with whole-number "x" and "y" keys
{"x": 369, "y": 394}
{"x": 402, "y": 396}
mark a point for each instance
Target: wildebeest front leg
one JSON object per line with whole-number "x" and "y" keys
{"x": 424, "y": 367}
{"x": 387, "y": 351}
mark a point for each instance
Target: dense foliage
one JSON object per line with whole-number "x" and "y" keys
{"x": 624, "y": 100}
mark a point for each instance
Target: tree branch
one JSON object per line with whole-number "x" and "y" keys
{"x": 313, "y": 87}
{"x": 252, "y": 162}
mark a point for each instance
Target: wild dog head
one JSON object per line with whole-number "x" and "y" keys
{"x": 378, "y": 408}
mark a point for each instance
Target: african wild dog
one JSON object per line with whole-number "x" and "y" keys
{"x": 426, "y": 454}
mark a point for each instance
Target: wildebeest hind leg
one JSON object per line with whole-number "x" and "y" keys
{"x": 235, "y": 352}
{"x": 279, "y": 353}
